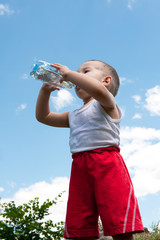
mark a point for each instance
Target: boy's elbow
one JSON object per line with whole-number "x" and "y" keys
{"x": 38, "y": 118}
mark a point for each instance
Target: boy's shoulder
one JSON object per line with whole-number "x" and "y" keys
{"x": 92, "y": 109}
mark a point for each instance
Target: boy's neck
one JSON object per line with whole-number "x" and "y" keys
{"x": 88, "y": 100}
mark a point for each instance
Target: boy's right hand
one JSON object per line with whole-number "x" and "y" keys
{"x": 49, "y": 88}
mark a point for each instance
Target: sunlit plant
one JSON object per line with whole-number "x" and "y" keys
{"x": 26, "y": 221}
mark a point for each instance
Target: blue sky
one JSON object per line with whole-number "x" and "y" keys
{"x": 34, "y": 158}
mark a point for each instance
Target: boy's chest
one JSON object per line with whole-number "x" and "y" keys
{"x": 84, "y": 117}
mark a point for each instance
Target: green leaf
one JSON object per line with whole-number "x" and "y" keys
{"x": 26, "y": 221}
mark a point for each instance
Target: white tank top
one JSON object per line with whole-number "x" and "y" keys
{"x": 91, "y": 128}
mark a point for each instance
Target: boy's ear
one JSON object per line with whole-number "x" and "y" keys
{"x": 107, "y": 81}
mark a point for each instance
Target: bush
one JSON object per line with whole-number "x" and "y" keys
{"x": 26, "y": 222}
{"x": 153, "y": 235}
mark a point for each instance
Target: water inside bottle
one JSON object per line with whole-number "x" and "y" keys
{"x": 43, "y": 71}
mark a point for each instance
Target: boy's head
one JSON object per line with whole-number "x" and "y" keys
{"x": 107, "y": 71}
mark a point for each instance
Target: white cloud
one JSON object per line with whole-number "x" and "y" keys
{"x": 11, "y": 184}
{"x": 5, "y": 9}
{"x": 139, "y": 133}
{"x": 25, "y": 76}
{"x": 45, "y": 190}
{"x": 153, "y": 101}
{"x": 63, "y": 99}
{"x": 1, "y": 189}
{"x": 140, "y": 149}
{"x": 137, "y": 116}
{"x": 21, "y": 107}
{"x": 137, "y": 98}
{"x": 124, "y": 80}
{"x": 130, "y": 4}
{"x": 146, "y": 169}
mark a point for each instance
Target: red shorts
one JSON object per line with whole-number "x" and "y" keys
{"x": 100, "y": 185}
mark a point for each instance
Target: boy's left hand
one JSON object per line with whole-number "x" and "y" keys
{"x": 61, "y": 68}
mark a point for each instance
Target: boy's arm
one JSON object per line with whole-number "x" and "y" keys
{"x": 92, "y": 86}
{"x": 43, "y": 113}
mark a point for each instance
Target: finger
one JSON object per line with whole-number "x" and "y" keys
{"x": 57, "y": 68}
{"x": 56, "y": 65}
{"x": 55, "y": 88}
{"x": 52, "y": 88}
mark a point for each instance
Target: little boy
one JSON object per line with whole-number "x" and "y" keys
{"x": 100, "y": 184}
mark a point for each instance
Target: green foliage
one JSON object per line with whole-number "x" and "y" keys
{"x": 153, "y": 235}
{"x": 26, "y": 222}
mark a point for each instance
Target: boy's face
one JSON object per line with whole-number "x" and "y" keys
{"x": 92, "y": 69}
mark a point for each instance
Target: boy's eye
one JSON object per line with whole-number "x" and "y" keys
{"x": 85, "y": 71}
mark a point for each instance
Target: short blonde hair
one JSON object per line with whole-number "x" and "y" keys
{"x": 109, "y": 70}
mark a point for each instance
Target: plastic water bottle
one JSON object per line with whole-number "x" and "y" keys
{"x": 43, "y": 71}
